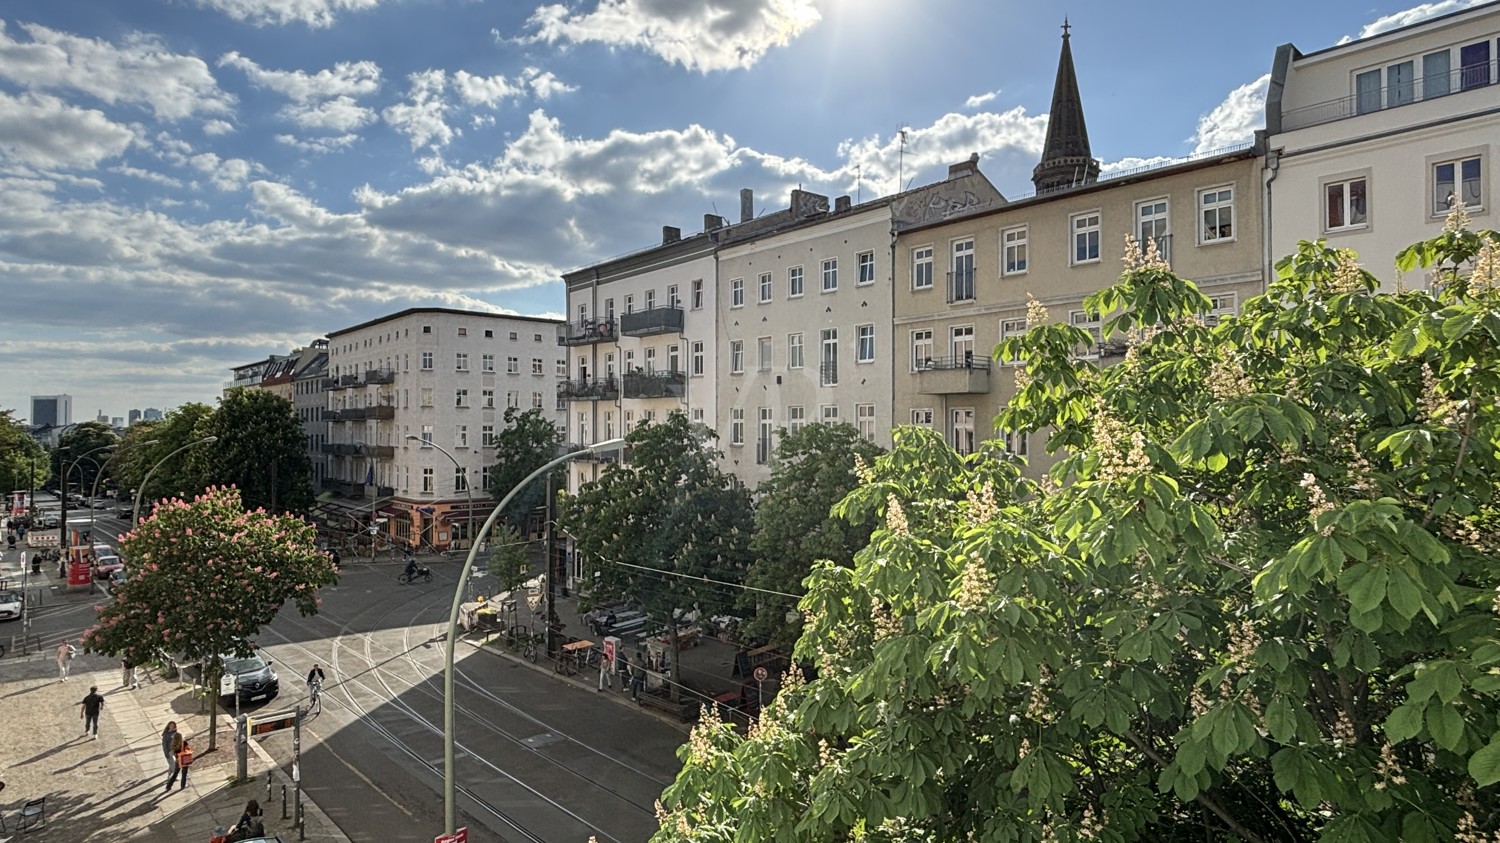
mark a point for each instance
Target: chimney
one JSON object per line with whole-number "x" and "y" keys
{"x": 670, "y": 234}
{"x": 747, "y": 205}
{"x": 966, "y": 168}
{"x": 712, "y": 222}
{"x": 841, "y": 204}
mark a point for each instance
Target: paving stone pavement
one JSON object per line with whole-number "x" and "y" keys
{"x": 111, "y": 788}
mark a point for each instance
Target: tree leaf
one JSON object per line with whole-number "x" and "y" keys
{"x": 1484, "y": 765}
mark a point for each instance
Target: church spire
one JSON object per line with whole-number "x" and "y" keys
{"x": 1066, "y": 159}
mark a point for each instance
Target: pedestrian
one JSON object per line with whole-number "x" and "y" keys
{"x": 65, "y": 653}
{"x": 184, "y": 760}
{"x": 127, "y": 675}
{"x": 251, "y": 824}
{"x": 171, "y": 743}
{"x": 637, "y": 677}
{"x": 89, "y": 711}
{"x": 606, "y": 673}
{"x": 335, "y": 560}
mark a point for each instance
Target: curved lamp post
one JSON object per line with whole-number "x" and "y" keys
{"x": 100, "y": 476}
{"x": 449, "y": 814}
{"x": 135, "y": 517}
{"x": 468, "y": 487}
{"x": 62, "y": 529}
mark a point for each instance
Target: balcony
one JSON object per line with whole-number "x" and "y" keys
{"x": 1370, "y": 100}
{"x": 331, "y": 415}
{"x": 373, "y": 376}
{"x": 340, "y": 449}
{"x": 962, "y": 375}
{"x": 385, "y": 491}
{"x": 587, "y": 332}
{"x": 380, "y": 452}
{"x": 646, "y": 323}
{"x": 655, "y": 384}
{"x": 347, "y": 488}
{"x": 382, "y": 412}
{"x": 828, "y": 373}
{"x": 600, "y": 389}
{"x": 329, "y": 383}
{"x": 961, "y": 285}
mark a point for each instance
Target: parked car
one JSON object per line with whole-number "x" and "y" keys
{"x": 103, "y": 503}
{"x": 106, "y": 566}
{"x": 116, "y": 580}
{"x": 49, "y": 520}
{"x": 10, "y": 605}
{"x": 254, "y": 680}
{"x": 124, "y": 510}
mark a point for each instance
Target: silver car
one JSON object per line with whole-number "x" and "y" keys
{"x": 10, "y": 605}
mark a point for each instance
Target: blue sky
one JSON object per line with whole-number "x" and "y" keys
{"x": 187, "y": 185}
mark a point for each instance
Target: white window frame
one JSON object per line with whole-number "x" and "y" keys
{"x": 962, "y": 261}
{"x": 672, "y": 300}
{"x": 1015, "y": 258}
{"x": 765, "y": 287}
{"x": 1153, "y": 221}
{"x": 425, "y": 396}
{"x": 1222, "y": 304}
{"x": 1010, "y": 328}
{"x": 697, "y": 294}
{"x": 921, "y": 267}
{"x": 763, "y": 354}
{"x": 864, "y": 344}
{"x": 1085, "y": 228}
{"x": 697, "y": 347}
{"x": 921, "y": 339}
{"x": 1217, "y": 200}
{"x": 864, "y": 421}
{"x": 921, "y": 416}
{"x": 737, "y": 426}
{"x": 828, "y": 357}
{"x": 736, "y": 292}
{"x": 487, "y": 363}
{"x": 796, "y": 351}
{"x": 1438, "y": 210}
{"x": 829, "y": 272}
{"x": 796, "y": 282}
{"x": 461, "y": 362}
{"x": 736, "y": 357}
{"x": 1346, "y": 183}
{"x": 1095, "y": 327}
{"x": 828, "y": 414}
{"x": 961, "y": 341}
{"x": 961, "y": 429}
{"x": 427, "y": 358}
{"x": 796, "y": 418}
{"x": 513, "y": 365}
{"x": 864, "y": 269}
{"x": 461, "y": 436}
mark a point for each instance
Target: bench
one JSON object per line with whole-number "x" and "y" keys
{"x": 685, "y": 709}
{"x": 769, "y": 657}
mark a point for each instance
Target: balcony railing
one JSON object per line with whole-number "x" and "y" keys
{"x": 1163, "y": 246}
{"x": 1468, "y": 78}
{"x": 598, "y": 389}
{"x": 385, "y": 491}
{"x": 962, "y": 374}
{"x": 331, "y": 415}
{"x": 961, "y": 285}
{"x": 657, "y": 320}
{"x": 340, "y": 449}
{"x": 347, "y": 488}
{"x": 380, "y": 452}
{"x": 330, "y": 383}
{"x": 828, "y": 373}
{"x": 654, "y": 384}
{"x": 587, "y": 332}
{"x": 374, "y": 376}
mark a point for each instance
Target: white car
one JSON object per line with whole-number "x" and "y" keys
{"x": 10, "y": 605}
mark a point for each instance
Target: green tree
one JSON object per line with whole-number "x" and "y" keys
{"x": 205, "y": 576}
{"x": 811, "y": 471}
{"x": 24, "y": 464}
{"x": 75, "y": 444}
{"x": 130, "y": 463}
{"x": 261, "y": 451}
{"x": 1255, "y": 599}
{"x": 509, "y": 562}
{"x": 528, "y": 442}
{"x": 666, "y": 530}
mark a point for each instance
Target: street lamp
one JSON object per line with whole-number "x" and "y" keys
{"x": 62, "y": 529}
{"x": 449, "y": 816}
{"x": 135, "y": 517}
{"x": 100, "y": 475}
{"x": 457, "y": 469}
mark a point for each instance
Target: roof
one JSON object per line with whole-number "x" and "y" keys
{"x": 412, "y": 311}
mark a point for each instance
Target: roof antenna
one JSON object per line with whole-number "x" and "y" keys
{"x": 859, "y": 184}
{"x": 901, "y": 159}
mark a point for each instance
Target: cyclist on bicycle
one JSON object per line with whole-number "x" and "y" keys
{"x": 314, "y": 681}
{"x": 411, "y": 567}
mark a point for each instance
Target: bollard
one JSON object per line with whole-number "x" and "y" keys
{"x": 301, "y": 823}
{"x": 283, "y": 801}
{"x": 268, "y": 787}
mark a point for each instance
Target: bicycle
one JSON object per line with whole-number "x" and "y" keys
{"x": 423, "y": 573}
{"x": 314, "y": 694}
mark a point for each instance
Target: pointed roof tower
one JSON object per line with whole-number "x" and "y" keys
{"x": 1066, "y": 159}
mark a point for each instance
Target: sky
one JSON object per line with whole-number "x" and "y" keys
{"x": 190, "y": 185}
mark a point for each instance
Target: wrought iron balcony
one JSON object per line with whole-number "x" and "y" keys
{"x": 1163, "y": 246}
{"x": 654, "y": 384}
{"x": 599, "y": 389}
{"x": 587, "y": 332}
{"x": 657, "y": 320}
{"x": 964, "y": 374}
{"x": 828, "y": 373}
{"x": 375, "y": 376}
{"x": 1467, "y": 78}
{"x": 961, "y": 286}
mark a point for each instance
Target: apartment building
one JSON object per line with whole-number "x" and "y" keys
{"x": 406, "y": 392}
{"x": 309, "y": 401}
{"x": 1372, "y": 142}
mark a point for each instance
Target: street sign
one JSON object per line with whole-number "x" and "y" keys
{"x": 460, "y": 836}
{"x": 265, "y": 727}
{"x": 226, "y": 684}
{"x": 761, "y": 674}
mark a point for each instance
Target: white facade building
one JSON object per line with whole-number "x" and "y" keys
{"x": 445, "y": 377}
{"x": 1371, "y": 142}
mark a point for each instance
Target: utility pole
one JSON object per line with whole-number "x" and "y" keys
{"x": 549, "y": 546}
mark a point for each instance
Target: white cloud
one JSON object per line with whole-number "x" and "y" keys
{"x": 147, "y": 175}
{"x": 140, "y": 71}
{"x": 1415, "y": 14}
{"x": 214, "y": 128}
{"x": 977, "y": 100}
{"x": 340, "y": 114}
{"x": 1010, "y": 135}
{"x": 224, "y": 173}
{"x": 42, "y": 131}
{"x": 319, "y": 145}
{"x": 313, "y": 13}
{"x": 484, "y": 90}
{"x": 422, "y": 118}
{"x": 345, "y": 79}
{"x": 545, "y": 85}
{"x": 702, "y": 35}
{"x": 1234, "y": 120}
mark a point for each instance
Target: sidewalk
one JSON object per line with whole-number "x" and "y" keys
{"x": 111, "y": 789}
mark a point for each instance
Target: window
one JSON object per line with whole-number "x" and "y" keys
{"x": 426, "y": 435}
{"x": 765, "y": 287}
{"x": 829, "y": 413}
{"x": 922, "y": 416}
{"x": 609, "y": 424}
{"x": 583, "y": 313}
{"x": 796, "y": 418}
{"x": 674, "y": 358}
{"x": 1367, "y": 92}
{"x": 737, "y": 426}
{"x": 1400, "y": 83}
{"x": 463, "y": 332}
{"x": 737, "y": 292}
{"x": 1216, "y": 212}
{"x": 864, "y": 268}
{"x": 697, "y": 358}
{"x": 650, "y": 360}
{"x": 536, "y": 400}
{"x": 864, "y": 420}
{"x": 583, "y": 427}
{"x": 1017, "y": 443}
{"x": 921, "y": 350}
{"x": 961, "y": 275}
{"x": 673, "y": 300}
{"x": 513, "y": 365}
{"x": 961, "y": 343}
{"x": 426, "y": 361}
{"x": 461, "y": 398}
{"x": 487, "y": 437}
{"x": 426, "y": 396}
{"x": 1151, "y": 226}
{"x": 1081, "y": 319}
{"x": 763, "y": 435}
{"x": 963, "y": 429}
{"x": 630, "y": 303}
{"x": 461, "y": 436}
{"x": 794, "y": 282}
{"x": 697, "y": 294}
{"x": 763, "y": 354}
{"x": 650, "y": 299}
{"x": 514, "y": 336}
{"x": 829, "y": 370}
{"x": 1474, "y": 66}
{"x": 698, "y": 415}
{"x": 794, "y": 351}
{"x": 462, "y": 362}
{"x": 1456, "y": 181}
{"x": 864, "y": 344}
{"x": 562, "y": 367}
{"x": 513, "y": 399}
{"x": 426, "y": 329}
{"x": 1221, "y": 305}
{"x": 484, "y": 477}
{"x": 609, "y": 309}
{"x": 487, "y": 362}
{"x": 1344, "y": 204}
{"x": 1013, "y": 241}
{"x": 736, "y": 356}
{"x": 427, "y": 480}
{"x": 460, "y": 478}
{"x": 489, "y": 398}
{"x": 921, "y": 268}
{"x": 830, "y": 274}
{"x": 1085, "y": 228}
{"x": 1010, "y": 329}
{"x": 1436, "y": 78}
{"x": 537, "y": 366}
{"x": 536, "y": 337}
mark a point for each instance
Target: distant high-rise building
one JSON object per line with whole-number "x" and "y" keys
{"x": 135, "y": 416}
{"x": 151, "y": 414}
{"x": 51, "y": 410}
{"x": 101, "y": 418}
{"x": 116, "y": 421}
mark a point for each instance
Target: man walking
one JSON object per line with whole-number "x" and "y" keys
{"x": 65, "y": 653}
{"x": 91, "y": 706}
{"x": 637, "y": 677}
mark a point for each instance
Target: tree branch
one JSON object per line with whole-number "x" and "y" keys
{"x": 1202, "y": 799}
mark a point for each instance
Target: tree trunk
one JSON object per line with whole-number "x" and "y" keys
{"x": 673, "y": 653}
{"x": 212, "y": 687}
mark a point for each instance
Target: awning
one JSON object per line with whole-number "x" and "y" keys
{"x": 392, "y": 513}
